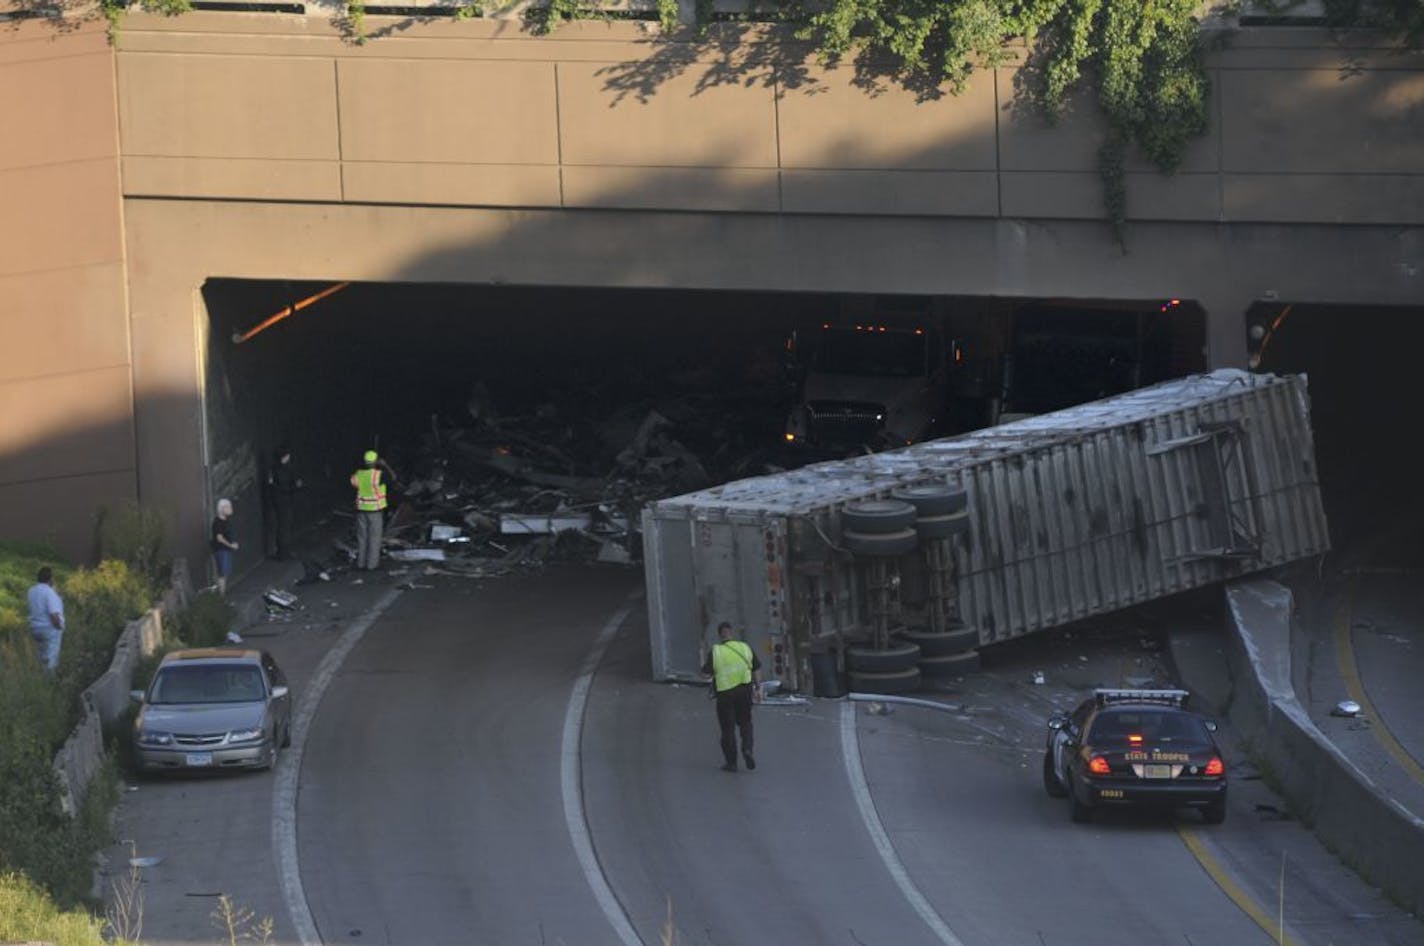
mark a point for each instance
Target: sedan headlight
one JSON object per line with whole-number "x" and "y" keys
{"x": 244, "y": 735}
{"x": 148, "y": 737}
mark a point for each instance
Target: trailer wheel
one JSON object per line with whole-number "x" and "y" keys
{"x": 950, "y": 665}
{"x": 933, "y": 499}
{"x": 944, "y": 643}
{"x": 887, "y": 543}
{"x": 892, "y": 659}
{"x": 943, "y": 527}
{"x": 890, "y": 684}
{"x": 877, "y": 516}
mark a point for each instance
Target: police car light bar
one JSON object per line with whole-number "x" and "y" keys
{"x": 1105, "y": 696}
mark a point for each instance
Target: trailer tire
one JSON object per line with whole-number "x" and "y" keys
{"x": 933, "y": 499}
{"x": 943, "y": 527}
{"x": 889, "y": 684}
{"x": 877, "y": 516}
{"x": 944, "y": 643}
{"x": 950, "y": 665}
{"x": 881, "y": 544}
{"x": 893, "y": 659}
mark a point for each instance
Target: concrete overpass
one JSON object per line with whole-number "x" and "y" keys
{"x": 268, "y": 146}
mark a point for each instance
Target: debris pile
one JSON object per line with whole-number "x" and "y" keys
{"x": 565, "y": 482}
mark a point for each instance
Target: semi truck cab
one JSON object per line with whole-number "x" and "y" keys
{"x": 866, "y": 384}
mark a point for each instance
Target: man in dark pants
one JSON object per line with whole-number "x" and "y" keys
{"x": 282, "y": 486}
{"x": 733, "y": 667}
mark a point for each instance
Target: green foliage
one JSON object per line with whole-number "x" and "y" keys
{"x": 98, "y": 603}
{"x": 205, "y": 622}
{"x": 667, "y": 14}
{"x": 36, "y": 837}
{"x": 28, "y": 914}
{"x": 136, "y": 534}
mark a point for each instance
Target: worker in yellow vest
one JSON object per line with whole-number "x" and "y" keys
{"x": 733, "y": 667}
{"x": 370, "y": 485}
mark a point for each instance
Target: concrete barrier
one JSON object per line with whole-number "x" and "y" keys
{"x": 1366, "y": 828}
{"x": 104, "y": 701}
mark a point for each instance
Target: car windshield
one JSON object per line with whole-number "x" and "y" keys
{"x": 882, "y": 354}
{"x": 212, "y": 683}
{"x": 1155, "y": 726}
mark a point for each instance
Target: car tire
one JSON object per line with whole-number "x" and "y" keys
{"x": 933, "y": 499}
{"x": 892, "y": 659}
{"x": 944, "y": 643}
{"x": 881, "y": 543}
{"x": 877, "y": 516}
{"x": 943, "y": 527}
{"x": 1080, "y": 813}
{"x": 1215, "y": 812}
{"x": 889, "y": 684}
{"x": 1051, "y": 784}
{"x": 950, "y": 665}
{"x": 287, "y": 736}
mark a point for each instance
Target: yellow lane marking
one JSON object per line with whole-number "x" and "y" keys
{"x": 1271, "y": 924}
{"x": 1355, "y": 687}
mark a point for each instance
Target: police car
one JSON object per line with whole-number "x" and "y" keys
{"x": 1135, "y": 748}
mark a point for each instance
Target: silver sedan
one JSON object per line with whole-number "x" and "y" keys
{"x": 212, "y": 708}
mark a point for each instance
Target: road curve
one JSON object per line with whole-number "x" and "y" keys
{"x": 432, "y": 809}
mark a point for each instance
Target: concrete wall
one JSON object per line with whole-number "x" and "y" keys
{"x": 66, "y": 446}
{"x": 269, "y": 146}
{"x": 1366, "y": 828}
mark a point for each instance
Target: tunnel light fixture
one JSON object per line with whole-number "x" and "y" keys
{"x": 239, "y": 337}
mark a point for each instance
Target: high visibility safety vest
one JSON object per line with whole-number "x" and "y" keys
{"x": 370, "y": 491}
{"x": 731, "y": 665}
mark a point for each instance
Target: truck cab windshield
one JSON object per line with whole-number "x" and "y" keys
{"x": 890, "y": 354}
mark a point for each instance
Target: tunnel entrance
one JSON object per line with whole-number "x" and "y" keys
{"x": 1364, "y": 390}
{"x": 533, "y": 399}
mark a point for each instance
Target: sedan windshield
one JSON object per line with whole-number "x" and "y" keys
{"x": 229, "y": 683}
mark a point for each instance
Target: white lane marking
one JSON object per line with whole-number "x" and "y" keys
{"x": 289, "y": 767}
{"x": 572, "y": 783}
{"x": 850, "y": 752}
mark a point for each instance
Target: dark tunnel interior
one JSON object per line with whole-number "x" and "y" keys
{"x": 571, "y": 373}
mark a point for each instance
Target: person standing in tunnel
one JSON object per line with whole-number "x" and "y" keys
{"x": 370, "y": 485}
{"x": 282, "y": 486}
{"x": 223, "y": 544}
{"x": 733, "y": 666}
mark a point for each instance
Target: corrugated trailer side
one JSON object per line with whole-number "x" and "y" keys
{"x": 1077, "y": 513}
{"x": 1114, "y": 517}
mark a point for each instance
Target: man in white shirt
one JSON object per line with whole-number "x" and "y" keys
{"x": 46, "y": 618}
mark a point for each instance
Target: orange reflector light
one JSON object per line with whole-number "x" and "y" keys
{"x": 1135, "y": 739}
{"x": 1098, "y": 765}
{"x": 790, "y": 437}
{"x": 919, "y": 331}
{"x": 1214, "y": 767}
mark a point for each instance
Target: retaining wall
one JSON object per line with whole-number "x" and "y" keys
{"x": 104, "y": 701}
{"x": 1370, "y": 831}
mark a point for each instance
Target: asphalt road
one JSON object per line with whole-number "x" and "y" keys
{"x": 490, "y": 764}
{"x": 435, "y": 804}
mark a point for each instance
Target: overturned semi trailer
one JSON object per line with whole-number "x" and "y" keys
{"x": 1065, "y": 516}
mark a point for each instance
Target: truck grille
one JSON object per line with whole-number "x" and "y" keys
{"x": 844, "y": 421}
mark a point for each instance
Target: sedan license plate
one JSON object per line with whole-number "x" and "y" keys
{"x": 197, "y": 759}
{"x": 1157, "y": 771}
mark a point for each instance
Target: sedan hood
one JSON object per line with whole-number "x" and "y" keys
{"x": 195, "y": 719}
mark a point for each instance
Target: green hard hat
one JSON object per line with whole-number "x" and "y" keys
{"x": 370, "y": 456}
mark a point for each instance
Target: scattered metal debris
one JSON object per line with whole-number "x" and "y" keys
{"x": 1347, "y": 708}
{"x": 280, "y": 599}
